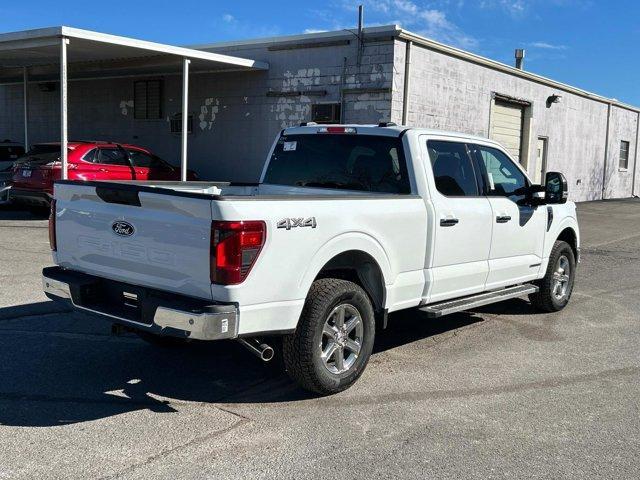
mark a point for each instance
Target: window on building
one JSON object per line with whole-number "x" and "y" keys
{"x": 176, "y": 123}
{"x": 505, "y": 178}
{"x": 623, "y": 164}
{"x": 325, "y": 113}
{"x": 452, "y": 169}
{"x": 147, "y": 99}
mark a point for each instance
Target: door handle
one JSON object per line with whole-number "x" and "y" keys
{"x": 104, "y": 170}
{"x": 448, "y": 222}
{"x": 503, "y": 218}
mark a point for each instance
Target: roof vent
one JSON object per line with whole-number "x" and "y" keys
{"x": 387, "y": 124}
{"x": 519, "y": 58}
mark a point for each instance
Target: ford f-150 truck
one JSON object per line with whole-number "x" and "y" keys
{"x": 347, "y": 224}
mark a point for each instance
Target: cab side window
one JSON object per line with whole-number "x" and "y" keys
{"x": 452, "y": 169}
{"x": 504, "y": 178}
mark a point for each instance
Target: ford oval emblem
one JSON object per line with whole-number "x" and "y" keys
{"x": 122, "y": 228}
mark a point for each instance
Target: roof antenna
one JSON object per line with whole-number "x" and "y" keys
{"x": 360, "y": 32}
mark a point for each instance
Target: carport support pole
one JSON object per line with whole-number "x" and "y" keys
{"x": 64, "y": 41}
{"x": 185, "y": 116}
{"x": 25, "y": 98}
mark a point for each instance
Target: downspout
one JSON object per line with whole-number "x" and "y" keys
{"x": 606, "y": 152}
{"x": 407, "y": 83}
{"x": 25, "y": 100}
{"x": 343, "y": 82}
{"x": 635, "y": 160}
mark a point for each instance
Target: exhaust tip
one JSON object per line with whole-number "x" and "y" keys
{"x": 261, "y": 350}
{"x": 267, "y": 354}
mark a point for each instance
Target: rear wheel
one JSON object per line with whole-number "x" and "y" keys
{"x": 557, "y": 285}
{"x": 334, "y": 339}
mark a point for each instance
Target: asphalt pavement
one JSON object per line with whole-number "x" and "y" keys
{"x": 501, "y": 392}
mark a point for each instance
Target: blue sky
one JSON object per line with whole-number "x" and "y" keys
{"x": 587, "y": 43}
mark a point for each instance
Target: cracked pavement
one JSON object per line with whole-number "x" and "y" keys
{"x": 499, "y": 392}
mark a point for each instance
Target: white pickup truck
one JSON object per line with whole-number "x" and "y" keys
{"x": 347, "y": 224}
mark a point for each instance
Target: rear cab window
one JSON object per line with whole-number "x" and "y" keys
{"x": 358, "y": 162}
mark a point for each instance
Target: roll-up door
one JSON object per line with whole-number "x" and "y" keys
{"x": 506, "y": 126}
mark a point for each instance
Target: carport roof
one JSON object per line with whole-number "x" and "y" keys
{"x": 93, "y": 54}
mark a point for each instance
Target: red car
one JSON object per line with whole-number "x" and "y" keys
{"x": 34, "y": 174}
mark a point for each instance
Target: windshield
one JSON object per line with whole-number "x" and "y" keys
{"x": 340, "y": 161}
{"x": 43, "y": 148}
{"x": 39, "y": 158}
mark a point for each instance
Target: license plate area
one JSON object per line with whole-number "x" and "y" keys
{"x": 117, "y": 299}
{"x": 26, "y": 173}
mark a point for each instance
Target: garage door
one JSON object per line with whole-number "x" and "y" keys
{"x": 506, "y": 126}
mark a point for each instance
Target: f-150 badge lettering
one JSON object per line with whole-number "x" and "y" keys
{"x": 290, "y": 223}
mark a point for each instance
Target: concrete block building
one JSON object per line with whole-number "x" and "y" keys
{"x": 385, "y": 74}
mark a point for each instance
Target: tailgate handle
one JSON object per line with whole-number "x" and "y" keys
{"x": 122, "y": 197}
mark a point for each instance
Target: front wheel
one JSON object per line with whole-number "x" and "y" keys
{"x": 334, "y": 339}
{"x": 557, "y": 285}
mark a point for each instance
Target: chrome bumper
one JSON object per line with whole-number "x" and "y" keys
{"x": 218, "y": 323}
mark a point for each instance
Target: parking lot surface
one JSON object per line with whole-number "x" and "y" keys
{"x": 500, "y": 392}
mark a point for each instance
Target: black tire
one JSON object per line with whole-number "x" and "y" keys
{"x": 162, "y": 341}
{"x": 546, "y": 299}
{"x": 302, "y": 351}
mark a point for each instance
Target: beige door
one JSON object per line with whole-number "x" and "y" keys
{"x": 506, "y": 126}
{"x": 541, "y": 160}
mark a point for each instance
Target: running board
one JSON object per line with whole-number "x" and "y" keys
{"x": 451, "y": 306}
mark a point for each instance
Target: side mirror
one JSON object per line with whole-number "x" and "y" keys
{"x": 555, "y": 188}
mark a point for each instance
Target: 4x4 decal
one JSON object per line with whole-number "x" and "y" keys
{"x": 290, "y": 223}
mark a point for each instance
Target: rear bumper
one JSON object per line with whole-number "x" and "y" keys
{"x": 31, "y": 197}
{"x": 142, "y": 308}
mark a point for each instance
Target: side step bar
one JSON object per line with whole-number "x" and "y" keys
{"x": 451, "y": 306}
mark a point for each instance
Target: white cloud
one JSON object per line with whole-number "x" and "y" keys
{"x": 314, "y": 30}
{"x": 228, "y": 18}
{"x": 514, "y": 7}
{"x": 430, "y": 22}
{"x": 548, "y": 46}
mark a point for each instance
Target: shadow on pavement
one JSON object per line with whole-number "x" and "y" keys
{"x": 22, "y": 213}
{"x": 31, "y": 309}
{"x": 54, "y": 373}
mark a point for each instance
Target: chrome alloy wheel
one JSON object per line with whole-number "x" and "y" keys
{"x": 342, "y": 336}
{"x": 561, "y": 278}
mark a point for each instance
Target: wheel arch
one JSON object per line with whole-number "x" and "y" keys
{"x": 356, "y": 257}
{"x": 569, "y": 235}
{"x": 360, "y": 268}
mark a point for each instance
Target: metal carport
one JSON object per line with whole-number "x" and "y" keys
{"x": 57, "y": 53}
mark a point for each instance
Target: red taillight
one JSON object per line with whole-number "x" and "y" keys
{"x": 235, "y": 246}
{"x": 52, "y": 226}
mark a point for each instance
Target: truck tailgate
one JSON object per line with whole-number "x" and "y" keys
{"x": 135, "y": 235}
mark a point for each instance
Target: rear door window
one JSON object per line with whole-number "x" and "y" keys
{"x": 453, "y": 170}
{"x": 340, "y": 161}
{"x": 146, "y": 160}
{"x": 112, "y": 156}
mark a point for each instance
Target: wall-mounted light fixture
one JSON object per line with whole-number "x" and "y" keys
{"x": 553, "y": 99}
